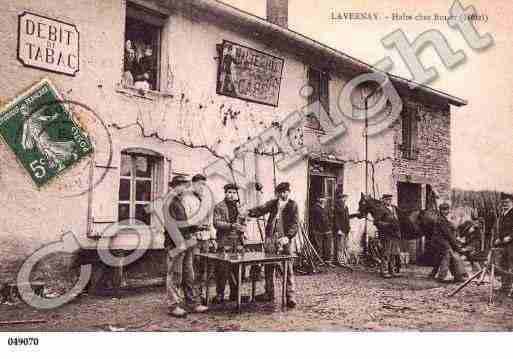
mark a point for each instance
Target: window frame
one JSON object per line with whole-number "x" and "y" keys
{"x": 319, "y": 81}
{"x": 409, "y": 133}
{"x": 154, "y": 161}
{"x": 142, "y": 14}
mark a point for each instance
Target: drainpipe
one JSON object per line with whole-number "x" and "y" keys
{"x": 366, "y": 139}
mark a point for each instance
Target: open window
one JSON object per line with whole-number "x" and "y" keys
{"x": 143, "y": 32}
{"x": 319, "y": 83}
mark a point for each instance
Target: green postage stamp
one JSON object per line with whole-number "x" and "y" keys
{"x": 42, "y": 133}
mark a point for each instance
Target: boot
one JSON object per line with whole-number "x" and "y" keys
{"x": 198, "y": 308}
{"x": 291, "y": 303}
{"x": 384, "y": 270}
{"x": 177, "y": 312}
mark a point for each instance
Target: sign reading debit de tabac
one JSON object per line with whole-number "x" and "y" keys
{"x": 48, "y": 44}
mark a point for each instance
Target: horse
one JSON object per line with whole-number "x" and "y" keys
{"x": 412, "y": 224}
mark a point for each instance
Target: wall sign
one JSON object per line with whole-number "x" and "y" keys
{"x": 249, "y": 74}
{"x": 42, "y": 133}
{"x": 48, "y": 44}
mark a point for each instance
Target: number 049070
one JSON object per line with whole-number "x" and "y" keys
{"x": 23, "y": 341}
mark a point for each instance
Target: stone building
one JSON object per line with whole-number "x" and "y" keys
{"x": 157, "y": 74}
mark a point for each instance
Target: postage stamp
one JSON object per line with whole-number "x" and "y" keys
{"x": 43, "y": 133}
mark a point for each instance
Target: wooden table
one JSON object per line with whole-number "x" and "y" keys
{"x": 248, "y": 258}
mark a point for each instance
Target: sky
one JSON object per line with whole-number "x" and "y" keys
{"x": 482, "y": 131}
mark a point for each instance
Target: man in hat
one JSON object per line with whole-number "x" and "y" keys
{"x": 341, "y": 225}
{"x": 282, "y": 226}
{"x": 180, "y": 270}
{"x": 444, "y": 239}
{"x": 226, "y": 218}
{"x": 199, "y": 207}
{"x": 322, "y": 226}
{"x": 390, "y": 235}
{"x": 505, "y": 239}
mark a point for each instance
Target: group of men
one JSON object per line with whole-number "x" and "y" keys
{"x": 330, "y": 227}
{"x": 447, "y": 243}
{"x": 228, "y": 219}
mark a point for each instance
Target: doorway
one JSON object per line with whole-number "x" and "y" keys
{"x": 325, "y": 178}
{"x": 409, "y": 196}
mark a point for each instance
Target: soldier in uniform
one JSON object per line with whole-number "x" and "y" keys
{"x": 180, "y": 270}
{"x": 444, "y": 237}
{"x": 229, "y": 234}
{"x": 505, "y": 239}
{"x": 282, "y": 226}
{"x": 390, "y": 237}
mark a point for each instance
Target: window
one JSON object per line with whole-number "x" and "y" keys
{"x": 319, "y": 82}
{"x": 136, "y": 186}
{"x": 142, "y": 48}
{"x": 409, "y": 133}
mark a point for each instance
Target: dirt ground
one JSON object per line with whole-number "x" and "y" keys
{"x": 335, "y": 300}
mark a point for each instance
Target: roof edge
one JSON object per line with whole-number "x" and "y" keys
{"x": 219, "y": 8}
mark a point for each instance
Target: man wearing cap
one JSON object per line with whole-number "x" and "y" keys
{"x": 229, "y": 234}
{"x": 322, "y": 226}
{"x": 505, "y": 239}
{"x": 390, "y": 235}
{"x": 200, "y": 209}
{"x": 180, "y": 270}
{"x": 444, "y": 238}
{"x": 341, "y": 224}
{"x": 282, "y": 226}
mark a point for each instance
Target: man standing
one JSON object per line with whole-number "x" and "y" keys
{"x": 390, "y": 236}
{"x": 229, "y": 235}
{"x": 282, "y": 226}
{"x": 444, "y": 237}
{"x": 322, "y": 230}
{"x": 180, "y": 270}
{"x": 505, "y": 239}
{"x": 341, "y": 225}
{"x": 199, "y": 207}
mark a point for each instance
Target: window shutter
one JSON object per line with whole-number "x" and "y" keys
{"x": 314, "y": 81}
{"x": 324, "y": 90}
{"x": 406, "y": 133}
{"x": 103, "y": 205}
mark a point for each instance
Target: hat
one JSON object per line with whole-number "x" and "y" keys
{"x": 199, "y": 177}
{"x": 386, "y": 196}
{"x": 444, "y": 205}
{"x": 229, "y": 186}
{"x": 506, "y": 197}
{"x": 282, "y": 187}
{"x": 179, "y": 179}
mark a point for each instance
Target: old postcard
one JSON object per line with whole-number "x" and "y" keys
{"x": 236, "y": 165}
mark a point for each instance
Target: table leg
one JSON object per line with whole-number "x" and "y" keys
{"x": 492, "y": 279}
{"x": 284, "y": 284}
{"x": 239, "y": 286}
{"x": 206, "y": 281}
{"x": 253, "y": 289}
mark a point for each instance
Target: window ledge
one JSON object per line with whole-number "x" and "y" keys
{"x": 140, "y": 93}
